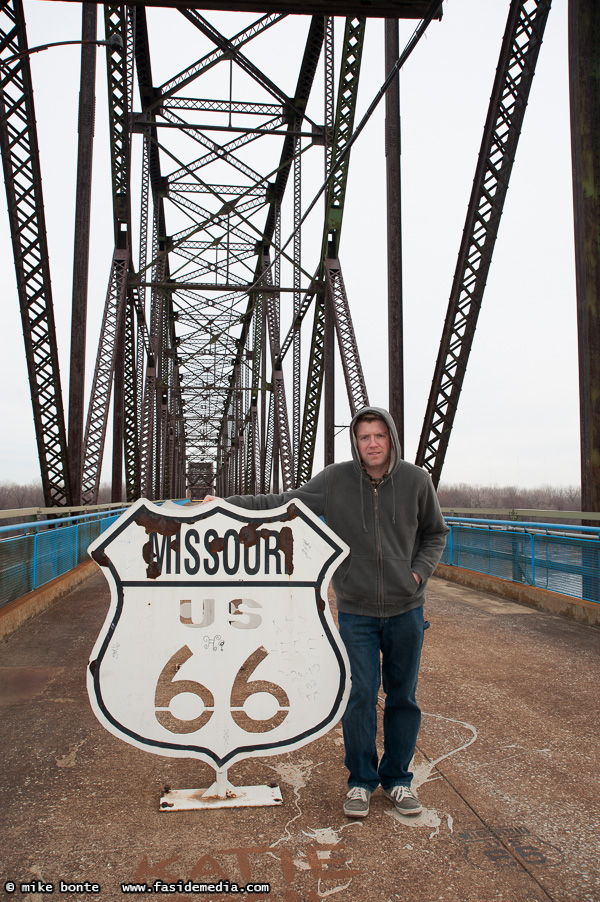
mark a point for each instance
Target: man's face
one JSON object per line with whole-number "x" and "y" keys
{"x": 374, "y": 446}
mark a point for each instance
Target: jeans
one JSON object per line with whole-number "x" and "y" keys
{"x": 388, "y": 647}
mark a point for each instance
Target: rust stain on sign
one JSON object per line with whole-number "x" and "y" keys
{"x": 286, "y": 543}
{"x": 153, "y": 571}
{"x": 249, "y": 534}
{"x": 292, "y": 512}
{"x": 153, "y": 523}
{"x": 101, "y": 558}
{"x": 216, "y": 545}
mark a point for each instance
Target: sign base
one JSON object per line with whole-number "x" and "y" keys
{"x": 221, "y": 794}
{"x": 240, "y": 797}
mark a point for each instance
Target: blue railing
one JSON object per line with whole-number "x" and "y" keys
{"x": 552, "y": 556}
{"x": 32, "y": 554}
{"x": 561, "y": 558}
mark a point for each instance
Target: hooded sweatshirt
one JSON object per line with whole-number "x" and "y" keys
{"x": 392, "y": 528}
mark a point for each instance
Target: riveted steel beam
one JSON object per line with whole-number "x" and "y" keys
{"x": 23, "y": 183}
{"x": 280, "y": 411}
{"x": 584, "y": 66}
{"x": 336, "y": 193}
{"x": 119, "y": 88}
{"x": 113, "y": 324}
{"x": 133, "y": 488}
{"x": 81, "y": 249}
{"x": 353, "y": 372}
{"x": 516, "y": 67}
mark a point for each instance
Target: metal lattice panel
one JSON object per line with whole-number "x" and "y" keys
{"x": 22, "y": 178}
{"x": 353, "y": 372}
{"x": 113, "y": 322}
{"x": 518, "y": 56}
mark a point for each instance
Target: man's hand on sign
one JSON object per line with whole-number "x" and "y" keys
{"x": 208, "y": 498}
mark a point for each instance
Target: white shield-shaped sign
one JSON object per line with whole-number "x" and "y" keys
{"x": 218, "y": 644}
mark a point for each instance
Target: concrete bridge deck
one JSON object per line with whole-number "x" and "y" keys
{"x": 507, "y": 769}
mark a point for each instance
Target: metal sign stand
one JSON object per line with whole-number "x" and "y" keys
{"x": 218, "y": 644}
{"x": 221, "y": 794}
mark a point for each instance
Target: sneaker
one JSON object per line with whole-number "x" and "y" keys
{"x": 357, "y": 801}
{"x": 404, "y": 799}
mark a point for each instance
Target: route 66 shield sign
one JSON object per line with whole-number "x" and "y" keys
{"x": 218, "y": 644}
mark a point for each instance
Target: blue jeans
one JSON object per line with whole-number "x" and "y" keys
{"x": 388, "y": 647}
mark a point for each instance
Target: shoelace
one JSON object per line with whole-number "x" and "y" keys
{"x": 357, "y": 792}
{"x": 399, "y": 792}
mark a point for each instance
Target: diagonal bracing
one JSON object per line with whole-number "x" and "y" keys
{"x": 23, "y": 183}
{"x": 514, "y": 75}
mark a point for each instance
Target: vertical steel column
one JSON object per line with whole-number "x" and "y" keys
{"x": 147, "y": 431}
{"x": 23, "y": 183}
{"x": 584, "y": 72}
{"x": 119, "y": 92}
{"x": 296, "y": 351}
{"x": 329, "y": 379}
{"x": 118, "y": 64}
{"x": 97, "y": 416}
{"x": 257, "y": 363}
{"x": 328, "y": 339}
{"x": 81, "y": 248}
{"x": 118, "y": 432}
{"x": 131, "y": 443}
{"x": 394, "y": 232}
{"x": 283, "y": 445}
{"x": 265, "y": 419}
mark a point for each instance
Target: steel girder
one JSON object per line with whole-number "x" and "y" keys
{"x": 244, "y": 420}
{"x": 81, "y": 249}
{"x": 113, "y": 325}
{"x": 280, "y": 411}
{"x": 211, "y": 261}
{"x": 584, "y": 65}
{"x": 353, "y": 372}
{"x": 514, "y": 75}
{"x": 22, "y": 178}
{"x": 212, "y": 362}
{"x": 336, "y": 192}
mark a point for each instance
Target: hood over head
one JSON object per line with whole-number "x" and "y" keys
{"x": 396, "y": 450}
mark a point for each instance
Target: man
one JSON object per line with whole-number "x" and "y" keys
{"x": 387, "y": 512}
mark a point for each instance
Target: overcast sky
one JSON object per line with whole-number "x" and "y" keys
{"x": 518, "y": 417}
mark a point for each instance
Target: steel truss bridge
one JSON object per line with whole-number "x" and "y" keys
{"x": 201, "y": 370}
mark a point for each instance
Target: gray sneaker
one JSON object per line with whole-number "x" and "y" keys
{"x": 357, "y": 801}
{"x": 404, "y": 799}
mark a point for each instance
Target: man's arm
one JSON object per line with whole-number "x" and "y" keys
{"x": 313, "y": 493}
{"x": 432, "y": 533}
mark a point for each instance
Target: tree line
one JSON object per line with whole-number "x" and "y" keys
{"x": 14, "y": 495}
{"x": 510, "y": 497}
{"x": 452, "y": 495}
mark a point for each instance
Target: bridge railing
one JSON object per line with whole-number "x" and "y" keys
{"x": 32, "y": 554}
{"x": 563, "y": 558}
{"x": 559, "y": 557}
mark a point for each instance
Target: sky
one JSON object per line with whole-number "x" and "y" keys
{"x": 518, "y": 416}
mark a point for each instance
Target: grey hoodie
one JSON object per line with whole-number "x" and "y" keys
{"x": 391, "y": 530}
